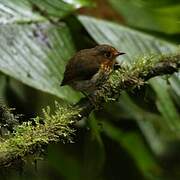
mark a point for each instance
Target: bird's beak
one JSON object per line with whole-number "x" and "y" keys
{"x": 118, "y": 53}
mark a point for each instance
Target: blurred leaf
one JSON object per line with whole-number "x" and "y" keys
{"x": 134, "y": 145}
{"x": 162, "y": 16}
{"x": 165, "y": 105}
{"x": 175, "y": 84}
{"x": 33, "y": 10}
{"x": 36, "y": 55}
{"x": 2, "y": 86}
{"x": 150, "y": 124}
{"x": 67, "y": 166}
{"x": 133, "y": 42}
{"x": 57, "y": 8}
{"x": 159, "y": 3}
{"x": 94, "y": 156}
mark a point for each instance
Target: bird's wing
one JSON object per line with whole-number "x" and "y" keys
{"x": 82, "y": 69}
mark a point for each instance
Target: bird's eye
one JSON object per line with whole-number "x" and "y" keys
{"x": 108, "y": 55}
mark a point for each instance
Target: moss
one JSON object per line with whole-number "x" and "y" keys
{"x": 29, "y": 138}
{"x": 135, "y": 75}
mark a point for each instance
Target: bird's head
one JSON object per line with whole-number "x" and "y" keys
{"x": 108, "y": 51}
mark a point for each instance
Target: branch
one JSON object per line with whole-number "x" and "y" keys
{"x": 130, "y": 77}
{"x": 29, "y": 139}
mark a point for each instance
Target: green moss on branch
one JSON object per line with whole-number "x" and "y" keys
{"x": 28, "y": 138}
{"x": 136, "y": 75}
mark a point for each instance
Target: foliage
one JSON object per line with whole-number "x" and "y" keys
{"x": 37, "y": 40}
{"x": 161, "y": 16}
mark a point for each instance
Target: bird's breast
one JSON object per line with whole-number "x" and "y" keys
{"x": 108, "y": 64}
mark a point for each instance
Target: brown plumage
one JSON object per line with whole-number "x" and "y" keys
{"x": 88, "y": 68}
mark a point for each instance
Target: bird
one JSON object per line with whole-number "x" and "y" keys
{"x": 88, "y": 69}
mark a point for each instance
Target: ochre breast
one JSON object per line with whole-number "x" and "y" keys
{"x": 108, "y": 64}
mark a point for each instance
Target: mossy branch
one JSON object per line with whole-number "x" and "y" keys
{"x": 28, "y": 139}
{"x": 128, "y": 77}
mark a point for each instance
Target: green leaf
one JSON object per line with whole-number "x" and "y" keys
{"x": 165, "y": 105}
{"x": 128, "y": 40}
{"x": 36, "y": 55}
{"x": 65, "y": 164}
{"x": 2, "y": 86}
{"x": 150, "y": 124}
{"x": 162, "y": 16}
{"x": 58, "y": 8}
{"x": 36, "y": 10}
{"x": 94, "y": 152}
{"x": 134, "y": 145}
{"x": 175, "y": 84}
